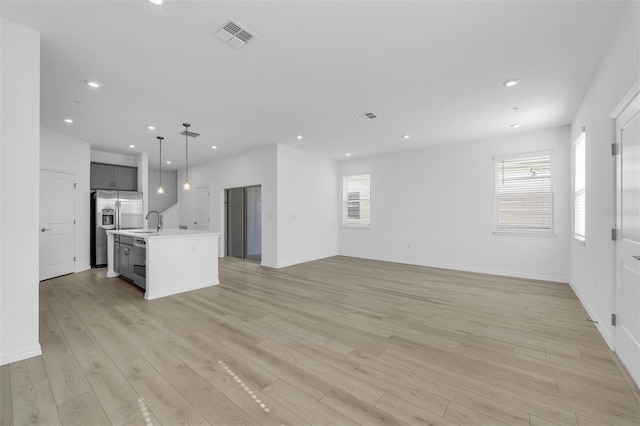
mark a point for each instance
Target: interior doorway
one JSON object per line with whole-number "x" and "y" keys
{"x": 244, "y": 222}
{"x": 57, "y": 224}
{"x": 627, "y": 310}
{"x": 203, "y": 216}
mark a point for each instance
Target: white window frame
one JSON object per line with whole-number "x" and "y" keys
{"x": 582, "y": 191}
{"x": 354, "y": 223}
{"x": 532, "y": 232}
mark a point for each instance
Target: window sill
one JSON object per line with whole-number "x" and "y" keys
{"x": 579, "y": 240}
{"x": 353, "y": 225}
{"x": 525, "y": 234}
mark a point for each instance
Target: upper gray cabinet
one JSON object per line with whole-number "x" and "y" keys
{"x": 110, "y": 176}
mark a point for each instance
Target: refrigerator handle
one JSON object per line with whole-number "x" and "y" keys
{"x": 118, "y": 215}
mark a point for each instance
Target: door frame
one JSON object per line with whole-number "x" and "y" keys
{"x": 75, "y": 210}
{"x": 617, "y": 170}
{"x": 225, "y": 216}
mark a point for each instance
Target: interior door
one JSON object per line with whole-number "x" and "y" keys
{"x": 235, "y": 222}
{"x": 627, "y": 338}
{"x": 57, "y": 224}
{"x": 253, "y": 223}
{"x": 202, "y": 209}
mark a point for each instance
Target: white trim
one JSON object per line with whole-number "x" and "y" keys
{"x": 606, "y": 334}
{"x": 624, "y": 103}
{"x": 514, "y": 156}
{"x": 20, "y": 355}
{"x": 479, "y": 270}
{"x": 579, "y": 240}
{"x": 514, "y": 233}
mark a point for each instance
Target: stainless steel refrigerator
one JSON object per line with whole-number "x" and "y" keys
{"x": 112, "y": 210}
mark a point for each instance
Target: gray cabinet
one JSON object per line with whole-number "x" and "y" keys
{"x": 123, "y": 251}
{"x": 111, "y": 176}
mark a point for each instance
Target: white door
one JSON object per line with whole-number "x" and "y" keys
{"x": 202, "y": 209}
{"x": 57, "y": 224}
{"x": 627, "y": 337}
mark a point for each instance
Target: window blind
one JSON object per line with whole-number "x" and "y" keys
{"x": 580, "y": 202}
{"x": 357, "y": 200}
{"x": 524, "y": 197}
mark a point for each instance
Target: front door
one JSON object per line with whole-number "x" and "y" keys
{"x": 627, "y": 338}
{"x": 202, "y": 209}
{"x": 57, "y": 224}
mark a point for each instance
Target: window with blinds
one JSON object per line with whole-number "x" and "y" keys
{"x": 580, "y": 201}
{"x": 357, "y": 200}
{"x": 524, "y": 195}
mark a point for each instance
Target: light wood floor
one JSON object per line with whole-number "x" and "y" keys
{"x": 338, "y": 341}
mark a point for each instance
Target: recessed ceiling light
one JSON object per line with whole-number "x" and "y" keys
{"x": 151, "y": 127}
{"x": 214, "y": 147}
{"x": 132, "y": 146}
{"x": 156, "y": 2}
{"x": 168, "y": 162}
{"x": 515, "y": 125}
{"x": 68, "y": 120}
{"x": 348, "y": 154}
{"x": 299, "y": 137}
{"x": 406, "y": 136}
{"x": 511, "y": 82}
{"x": 94, "y": 84}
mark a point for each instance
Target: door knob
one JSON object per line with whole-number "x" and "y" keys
{"x": 45, "y": 229}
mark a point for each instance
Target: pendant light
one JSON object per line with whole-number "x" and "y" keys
{"x": 160, "y": 188}
{"x": 186, "y": 186}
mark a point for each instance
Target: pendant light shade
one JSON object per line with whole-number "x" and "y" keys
{"x": 186, "y": 186}
{"x": 160, "y": 188}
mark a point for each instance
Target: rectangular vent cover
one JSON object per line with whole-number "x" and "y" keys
{"x": 234, "y": 34}
{"x": 190, "y": 134}
{"x": 367, "y": 116}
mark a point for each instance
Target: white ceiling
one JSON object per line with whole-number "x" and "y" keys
{"x": 431, "y": 69}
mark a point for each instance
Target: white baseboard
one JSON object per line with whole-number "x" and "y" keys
{"x": 20, "y": 355}
{"x": 604, "y": 332}
{"x": 526, "y": 275}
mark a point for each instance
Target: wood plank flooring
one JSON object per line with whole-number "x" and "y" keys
{"x": 339, "y": 341}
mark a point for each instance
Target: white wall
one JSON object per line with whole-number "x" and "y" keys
{"x": 256, "y": 167}
{"x": 19, "y": 191}
{"x": 441, "y": 202}
{"x": 62, "y": 153}
{"x": 592, "y": 265}
{"x": 307, "y": 197}
{"x": 112, "y": 158}
{"x": 162, "y": 202}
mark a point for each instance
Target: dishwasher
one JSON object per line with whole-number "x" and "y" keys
{"x": 139, "y": 259}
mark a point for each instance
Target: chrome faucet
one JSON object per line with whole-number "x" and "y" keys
{"x": 159, "y": 218}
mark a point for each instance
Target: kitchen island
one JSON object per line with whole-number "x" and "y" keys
{"x": 175, "y": 260}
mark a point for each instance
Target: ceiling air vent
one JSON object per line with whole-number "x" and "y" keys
{"x": 366, "y": 116}
{"x": 190, "y": 134}
{"x": 234, "y": 34}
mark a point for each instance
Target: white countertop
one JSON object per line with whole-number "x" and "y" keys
{"x": 147, "y": 234}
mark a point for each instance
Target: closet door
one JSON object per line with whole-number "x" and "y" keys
{"x": 235, "y": 222}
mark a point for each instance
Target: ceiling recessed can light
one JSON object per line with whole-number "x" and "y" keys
{"x": 348, "y": 154}
{"x": 68, "y": 120}
{"x": 299, "y": 137}
{"x": 511, "y": 82}
{"x": 151, "y": 127}
{"x": 515, "y": 125}
{"x": 168, "y": 162}
{"x": 132, "y": 146}
{"x": 94, "y": 84}
{"x": 406, "y": 136}
{"x": 156, "y": 2}
{"x": 214, "y": 147}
